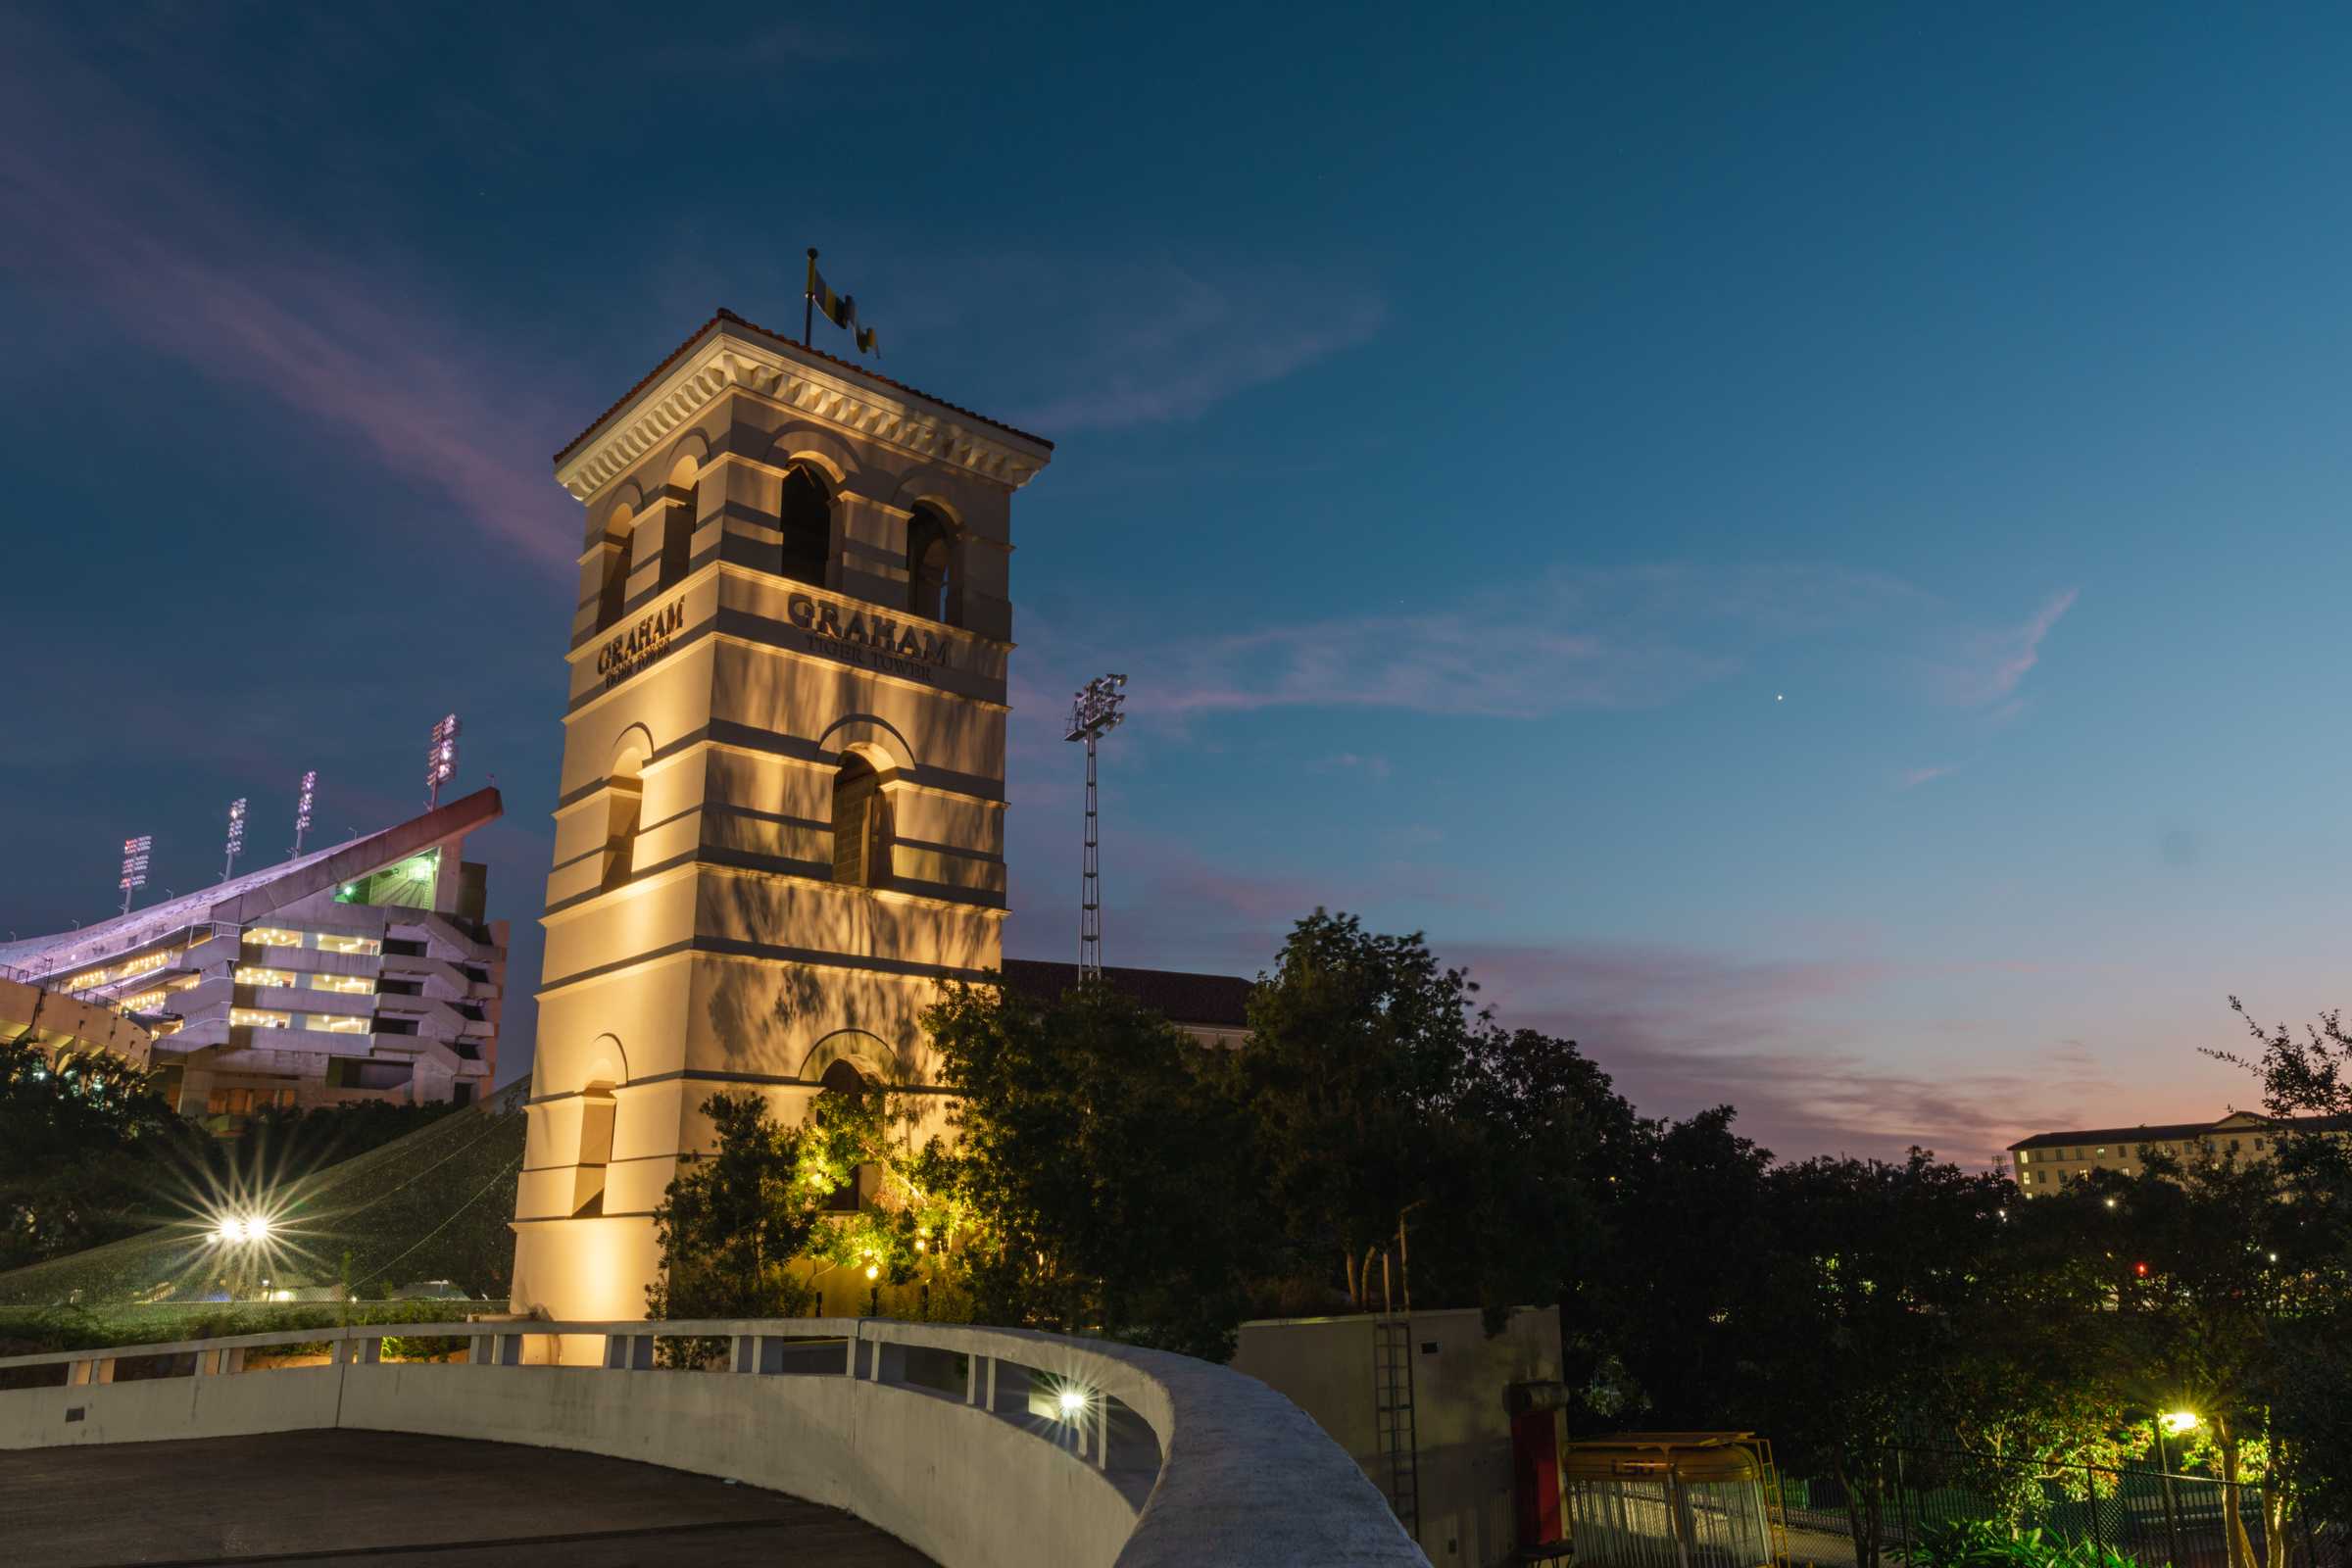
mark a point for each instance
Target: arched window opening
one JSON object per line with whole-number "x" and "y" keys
{"x": 615, "y": 587}
{"x": 677, "y": 537}
{"x": 595, "y": 1151}
{"x": 844, "y": 1080}
{"x": 624, "y": 801}
{"x": 932, "y": 590}
{"x": 860, "y": 825}
{"x": 806, "y": 518}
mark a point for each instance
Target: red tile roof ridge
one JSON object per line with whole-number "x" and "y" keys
{"x": 725, "y": 315}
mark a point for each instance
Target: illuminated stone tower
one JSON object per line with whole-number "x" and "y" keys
{"x": 781, "y": 813}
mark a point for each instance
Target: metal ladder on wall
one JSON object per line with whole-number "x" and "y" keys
{"x": 1392, "y": 1419}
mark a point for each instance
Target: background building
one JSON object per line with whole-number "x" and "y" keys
{"x": 2044, "y": 1160}
{"x": 1213, "y": 1009}
{"x": 365, "y": 971}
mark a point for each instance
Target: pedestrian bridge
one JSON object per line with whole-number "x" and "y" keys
{"x": 989, "y": 1447}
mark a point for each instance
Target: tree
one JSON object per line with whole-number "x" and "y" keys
{"x": 1855, "y": 1318}
{"x": 732, "y": 1222}
{"x": 84, "y": 1138}
{"x": 1102, "y": 1183}
{"x": 1657, "y": 1327}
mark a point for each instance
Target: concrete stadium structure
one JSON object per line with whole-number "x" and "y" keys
{"x": 365, "y": 972}
{"x": 980, "y": 1448}
{"x": 35, "y": 1016}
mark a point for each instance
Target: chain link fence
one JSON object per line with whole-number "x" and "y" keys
{"x": 2154, "y": 1517}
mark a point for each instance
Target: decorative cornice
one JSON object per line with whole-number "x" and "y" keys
{"x": 728, "y": 356}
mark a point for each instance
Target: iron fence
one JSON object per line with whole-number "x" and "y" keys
{"x": 2154, "y": 1517}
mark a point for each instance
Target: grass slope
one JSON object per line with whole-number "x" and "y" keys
{"x": 432, "y": 1206}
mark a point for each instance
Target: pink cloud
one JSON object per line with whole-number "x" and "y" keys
{"x": 1614, "y": 639}
{"x": 110, "y": 215}
{"x": 1917, "y": 776}
{"x": 1989, "y": 666}
{"x": 1682, "y": 1028}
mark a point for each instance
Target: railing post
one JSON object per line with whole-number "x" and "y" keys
{"x": 971, "y": 1378}
{"x": 990, "y": 1405}
{"x": 850, "y": 1367}
{"x": 1101, "y": 1430}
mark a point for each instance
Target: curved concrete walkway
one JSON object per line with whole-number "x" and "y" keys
{"x": 388, "y": 1499}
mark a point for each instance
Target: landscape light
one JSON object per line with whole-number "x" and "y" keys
{"x": 1070, "y": 1402}
{"x": 873, "y": 1271}
{"x": 2111, "y": 1203}
{"x": 2177, "y": 1422}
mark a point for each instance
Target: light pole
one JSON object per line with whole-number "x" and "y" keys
{"x": 2174, "y": 1423}
{"x": 134, "y": 867}
{"x": 236, "y": 837}
{"x": 1093, "y": 713}
{"x": 440, "y": 759}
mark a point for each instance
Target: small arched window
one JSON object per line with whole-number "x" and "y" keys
{"x": 847, "y": 1081}
{"x": 677, "y": 535}
{"x": 931, "y": 585}
{"x": 860, "y": 825}
{"x": 615, "y": 589}
{"x": 806, "y": 518}
{"x": 624, "y": 801}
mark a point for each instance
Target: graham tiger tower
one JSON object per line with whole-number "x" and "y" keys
{"x": 781, "y": 811}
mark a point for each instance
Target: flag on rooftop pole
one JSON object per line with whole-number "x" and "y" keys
{"x": 839, "y": 309}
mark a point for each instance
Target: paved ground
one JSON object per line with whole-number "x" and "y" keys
{"x": 383, "y": 1499}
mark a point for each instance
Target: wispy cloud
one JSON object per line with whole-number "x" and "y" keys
{"x": 1683, "y": 1028}
{"x": 1133, "y": 341}
{"x": 1617, "y": 639}
{"x": 1352, "y": 763}
{"x": 1917, "y": 776}
{"x": 109, "y": 217}
{"x": 1986, "y": 668}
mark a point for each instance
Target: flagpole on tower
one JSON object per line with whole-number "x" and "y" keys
{"x": 808, "y": 303}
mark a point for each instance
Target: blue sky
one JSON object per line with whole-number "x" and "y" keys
{"x": 1804, "y": 545}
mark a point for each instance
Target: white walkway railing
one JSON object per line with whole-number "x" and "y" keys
{"x": 980, "y": 1447}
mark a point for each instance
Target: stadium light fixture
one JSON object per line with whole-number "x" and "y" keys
{"x": 1093, "y": 713}
{"x": 236, "y": 837}
{"x": 441, "y": 758}
{"x": 134, "y": 866}
{"x": 302, "y": 809}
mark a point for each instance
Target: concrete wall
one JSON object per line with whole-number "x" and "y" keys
{"x": 1174, "y": 1462}
{"x": 1461, "y": 1429}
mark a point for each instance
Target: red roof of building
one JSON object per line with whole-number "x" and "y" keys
{"x": 730, "y": 318}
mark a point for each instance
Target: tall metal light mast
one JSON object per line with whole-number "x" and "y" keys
{"x": 302, "y": 813}
{"x": 1093, "y": 713}
{"x": 236, "y": 837}
{"x": 134, "y": 865}
{"x": 440, "y": 759}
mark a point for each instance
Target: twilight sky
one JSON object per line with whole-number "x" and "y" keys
{"x": 1804, "y": 546}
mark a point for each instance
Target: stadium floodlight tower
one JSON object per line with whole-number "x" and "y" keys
{"x": 1093, "y": 713}
{"x": 440, "y": 759}
{"x": 236, "y": 837}
{"x": 134, "y": 866}
{"x": 302, "y": 813}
